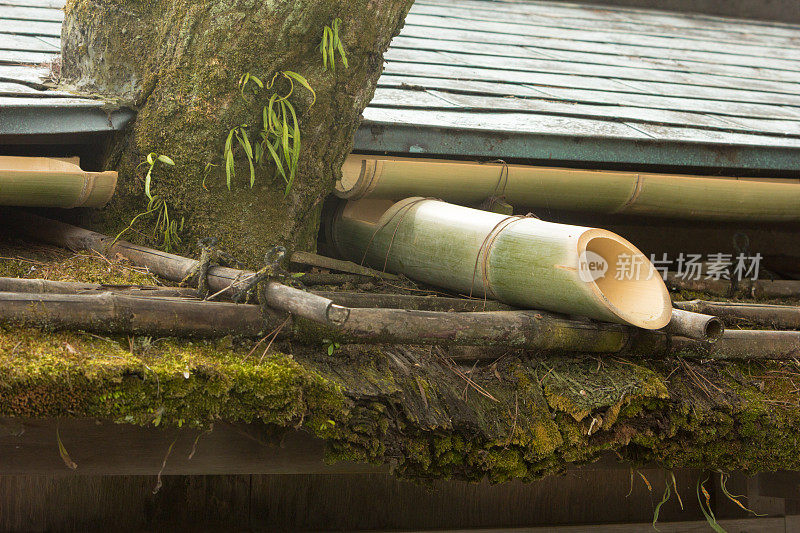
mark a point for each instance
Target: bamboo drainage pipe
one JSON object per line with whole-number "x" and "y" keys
{"x": 601, "y": 191}
{"x": 52, "y": 182}
{"x": 524, "y": 262}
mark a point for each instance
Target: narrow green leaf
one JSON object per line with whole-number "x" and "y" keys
{"x": 664, "y": 499}
{"x": 147, "y": 180}
{"x": 734, "y": 497}
{"x": 229, "y": 141}
{"x": 675, "y": 487}
{"x": 277, "y": 161}
{"x": 295, "y": 140}
{"x": 285, "y": 134}
{"x": 62, "y": 451}
{"x": 257, "y": 81}
{"x": 167, "y": 160}
{"x": 270, "y": 113}
{"x": 245, "y": 143}
{"x": 230, "y": 172}
{"x": 302, "y": 81}
{"x": 341, "y": 52}
{"x": 151, "y": 158}
{"x": 705, "y": 506}
{"x": 248, "y": 149}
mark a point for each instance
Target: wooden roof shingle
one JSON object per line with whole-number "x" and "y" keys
{"x": 520, "y": 80}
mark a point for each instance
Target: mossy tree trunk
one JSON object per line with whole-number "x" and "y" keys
{"x": 179, "y": 62}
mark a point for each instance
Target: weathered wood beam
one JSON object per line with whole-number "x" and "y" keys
{"x": 103, "y": 447}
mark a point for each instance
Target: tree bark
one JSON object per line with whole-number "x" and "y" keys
{"x": 179, "y": 62}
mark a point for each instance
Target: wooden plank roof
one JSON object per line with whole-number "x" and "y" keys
{"x": 527, "y": 80}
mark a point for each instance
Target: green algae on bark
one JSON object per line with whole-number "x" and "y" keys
{"x": 522, "y": 418}
{"x": 178, "y": 63}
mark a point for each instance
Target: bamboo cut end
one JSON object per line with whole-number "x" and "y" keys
{"x": 53, "y": 182}
{"x": 625, "y": 279}
{"x": 100, "y": 188}
{"x": 358, "y": 177}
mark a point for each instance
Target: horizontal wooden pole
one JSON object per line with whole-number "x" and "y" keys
{"x": 762, "y": 288}
{"x": 413, "y": 302}
{"x": 307, "y": 259}
{"x": 342, "y": 298}
{"x": 734, "y": 313}
{"x": 746, "y": 344}
{"x": 530, "y": 330}
{"x": 142, "y": 315}
{"x": 73, "y": 287}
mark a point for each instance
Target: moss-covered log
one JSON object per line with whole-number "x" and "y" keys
{"x": 522, "y": 417}
{"x": 179, "y": 63}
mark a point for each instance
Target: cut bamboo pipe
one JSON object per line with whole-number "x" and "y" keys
{"x": 600, "y": 191}
{"x": 695, "y": 325}
{"x": 52, "y": 182}
{"x": 777, "y": 316}
{"x": 524, "y": 262}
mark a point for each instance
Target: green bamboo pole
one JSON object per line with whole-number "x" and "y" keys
{"x": 669, "y": 195}
{"x": 526, "y": 262}
{"x": 52, "y": 182}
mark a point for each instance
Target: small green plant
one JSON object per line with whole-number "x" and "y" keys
{"x": 280, "y": 133}
{"x": 239, "y": 133}
{"x": 704, "y": 499}
{"x": 245, "y": 80}
{"x": 331, "y": 346}
{"x": 165, "y": 227}
{"x": 330, "y": 44}
{"x": 667, "y": 494}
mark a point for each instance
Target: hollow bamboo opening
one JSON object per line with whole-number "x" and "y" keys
{"x": 714, "y": 329}
{"x": 628, "y": 283}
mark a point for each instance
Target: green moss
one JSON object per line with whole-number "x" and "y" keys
{"x": 59, "y": 265}
{"x": 170, "y": 381}
{"x": 381, "y": 405}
